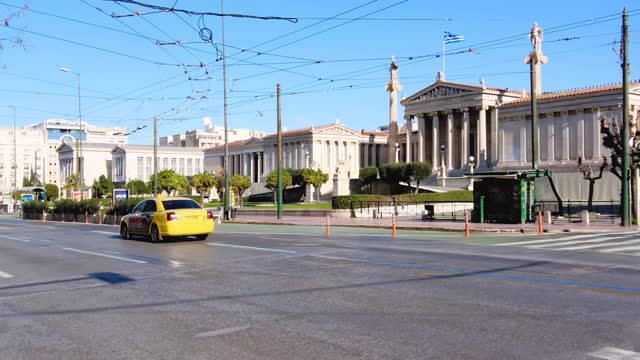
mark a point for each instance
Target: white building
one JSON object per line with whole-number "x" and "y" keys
{"x": 95, "y": 161}
{"x": 210, "y": 137}
{"x": 57, "y": 131}
{"x": 335, "y": 149}
{"x": 30, "y": 155}
{"x": 135, "y": 162}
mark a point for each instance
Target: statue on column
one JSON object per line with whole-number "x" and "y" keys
{"x": 536, "y": 36}
{"x": 393, "y": 87}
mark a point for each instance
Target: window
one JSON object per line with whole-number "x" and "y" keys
{"x": 180, "y": 204}
{"x": 140, "y": 168}
{"x": 189, "y": 167}
{"x": 139, "y": 207}
{"x": 119, "y": 166}
{"x": 165, "y": 163}
{"x": 150, "y": 206}
{"x": 148, "y": 167}
{"x": 181, "y": 168}
{"x": 174, "y": 164}
{"x": 197, "y": 168}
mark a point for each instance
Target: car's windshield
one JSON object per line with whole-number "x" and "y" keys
{"x": 180, "y": 204}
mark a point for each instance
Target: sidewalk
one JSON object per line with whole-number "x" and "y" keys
{"x": 417, "y": 224}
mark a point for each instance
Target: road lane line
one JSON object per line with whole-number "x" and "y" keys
{"x": 251, "y": 248}
{"x": 105, "y": 255}
{"x": 106, "y": 232}
{"x": 565, "y": 238}
{"x": 627, "y": 248}
{"x": 611, "y": 353}
{"x": 587, "y": 247}
{"x": 599, "y": 240}
{"x": 229, "y": 330}
{"x": 13, "y": 238}
{"x": 5, "y": 275}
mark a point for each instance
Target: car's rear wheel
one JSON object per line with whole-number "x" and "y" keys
{"x": 124, "y": 232}
{"x": 202, "y": 237}
{"x": 156, "y": 237}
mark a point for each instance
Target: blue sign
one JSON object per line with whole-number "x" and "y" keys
{"x": 120, "y": 194}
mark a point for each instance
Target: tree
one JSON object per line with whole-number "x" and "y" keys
{"x": 52, "y": 191}
{"x": 587, "y": 174}
{"x": 392, "y": 174}
{"x": 241, "y": 184}
{"x": 218, "y": 183}
{"x": 71, "y": 182}
{"x": 369, "y": 175}
{"x": 137, "y": 187}
{"x": 316, "y": 178}
{"x": 203, "y": 183}
{"x": 8, "y": 19}
{"x": 169, "y": 180}
{"x": 103, "y": 186}
{"x": 32, "y": 180}
{"x": 417, "y": 171}
{"x": 272, "y": 182}
{"x": 297, "y": 179}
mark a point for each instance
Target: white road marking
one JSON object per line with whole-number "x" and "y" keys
{"x": 226, "y": 331}
{"x": 616, "y": 245}
{"x": 565, "y": 238}
{"x": 5, "y": 275}
{"x": 105, "y": 232}
{"x": 251, "y": 248}
{"x": 322, "y": 234}
{"x": 105, "y": 255}
{"x": 13, "y": 238}
{"x": 627, "y": 248}
{"x": 598, "y": 240}
{"x": 611, "y": 353}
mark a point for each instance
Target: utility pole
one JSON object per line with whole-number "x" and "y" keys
{"x": 227, "y": 210}
{"x": 80, "y": 157}
{"x": 155, "y": 156}
{"x": 15, "y": 158}
{"x": 626, "y": 219}
{"x": 279, "y": 157}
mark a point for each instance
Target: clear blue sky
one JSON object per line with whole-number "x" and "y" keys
{"x": 350, "y": 90}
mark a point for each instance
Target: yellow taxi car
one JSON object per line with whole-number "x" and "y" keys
{"x": 160, "y": 218}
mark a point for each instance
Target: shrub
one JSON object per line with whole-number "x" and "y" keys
{"x": 36, "y": 207}
{"x": 344, "y": 202}
{"x": 68, "y": 206}
{"x": 123, "y": 207}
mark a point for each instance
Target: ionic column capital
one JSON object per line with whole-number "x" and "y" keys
{"x": 464, "y": 109}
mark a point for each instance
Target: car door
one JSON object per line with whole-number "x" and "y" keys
{"x": 146, "y": 217}
{"x": 135, "y": 218}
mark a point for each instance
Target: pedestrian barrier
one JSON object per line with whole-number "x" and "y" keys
{"x": 467, "y": 231}
{"x": 328, "y": 230}
{"x": 539, "y": 218}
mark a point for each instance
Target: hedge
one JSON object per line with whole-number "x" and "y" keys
{"x": 123, "y": 207}
{"x": 36, "y": 207}
{"x": 344, "y": 202}
{"x": 68, "y": 206}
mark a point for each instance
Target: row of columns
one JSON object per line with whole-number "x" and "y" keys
{"x": 481, "y": 150}
{"x": 245, "y": 164}
{"x": 373, "y": 155}
{"x": 66, "y": 169}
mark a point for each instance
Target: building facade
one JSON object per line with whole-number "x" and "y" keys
{"x": 94, "y": 162}
{"x": 211, "y": 136}
{"x": 135, "y": 162}
{"x": 334, "y": 149}
{"x": 29, "y": 154}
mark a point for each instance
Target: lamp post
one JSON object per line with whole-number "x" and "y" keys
{"x": 443, "y": 167}
{"x": 15, "y": 158}
{"x": 472, "y": 166}
{"x": 80, "y": 167}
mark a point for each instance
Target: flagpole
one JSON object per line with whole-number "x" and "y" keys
{"x": 444, "y": 53}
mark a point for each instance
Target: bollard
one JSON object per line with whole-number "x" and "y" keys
{"x": 100, "y": 216}
{"x": 86, "y": 217}
{"x": 115, "y": 218}
{"x": 585, "y": 217}
{"x": 467, "y": 231}
{"x": 394, "y": 231}
{"x": 44, "y": 216}
{"x": 547, "y": 217}
{"x": 540, "y": 231}
{"x": 328, "y": 231}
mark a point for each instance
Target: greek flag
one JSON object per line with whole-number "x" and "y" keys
{"x": 450, "y": 38}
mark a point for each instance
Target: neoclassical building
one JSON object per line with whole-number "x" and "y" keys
{"x": 456, "y": 121}
{"x": 335, "y": 149}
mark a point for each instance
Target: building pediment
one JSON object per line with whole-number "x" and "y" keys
{"x": 441, "y": 89}
{"x": 335, "y": 130}
{"x": 64, "y": 148}
{"x": 252, "y": 141}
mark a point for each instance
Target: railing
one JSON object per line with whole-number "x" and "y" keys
{"x": 601, "y": 211}
{"x": 448, "y": 210}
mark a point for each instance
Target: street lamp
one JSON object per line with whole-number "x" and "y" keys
{"x": 80, "y": 169}
{"x": 471, "y": 164}
{"x": 443, "y": 149}
{"x": 15, "y": 158}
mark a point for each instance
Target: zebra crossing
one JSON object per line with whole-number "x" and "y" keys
{"x": 627, "y": 243}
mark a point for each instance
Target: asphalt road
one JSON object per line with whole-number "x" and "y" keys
{"x": 257, "y": 292}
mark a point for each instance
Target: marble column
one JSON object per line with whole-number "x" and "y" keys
{"x": 565, "y": 136}
{"x": 252, "y": 164}
{"x": 523, "y": 140}
{"x": 596, "y": 134}
{"x": 366, "y": 155}
{"x": 580, "y": 126}
{"x": 374, "y": 155}
{"x": 494, "y": 136}
{"x": 551, "y": 156}
{"x": 482, "y": 136}
{"x": 407, "y": 155}
{"x": 464, "y": 137}
{"x": 422, "y": 134}
{"x": 303, "y": 156}
{"x": 260, "y": 167}
{"x": 434, "y": 143}
{"x": 449, "y": 140}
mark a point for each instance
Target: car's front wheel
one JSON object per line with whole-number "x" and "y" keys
{"x": 202, "y": 237}
{"x": 156, "y": 237}
{"x": 124, "y": 232}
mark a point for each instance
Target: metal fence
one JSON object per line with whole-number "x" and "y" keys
{"x": 427, "y": 210}
{"x": 601, "y": 211}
